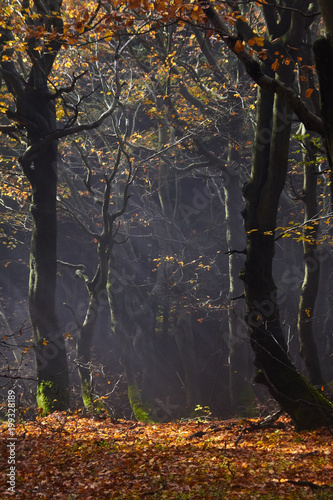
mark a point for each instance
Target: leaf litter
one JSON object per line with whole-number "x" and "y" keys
{"x": 74, "y": 457}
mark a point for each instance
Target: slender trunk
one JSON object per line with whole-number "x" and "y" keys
{"x": 324, "y": 313}
{"x": 96, "y": 288}
{"x": 146, "y": 353}
{"x": 83, "y": 351}
{"x": 185, "y": 343}
{"x": 138, "y": 316}
{"x": 238, "y": 355}
{"x": 308, "y": 347}
{"x": 11, "y": 341}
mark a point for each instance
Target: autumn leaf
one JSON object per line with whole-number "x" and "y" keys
{"x": 79, "y": 26}
{"x": 196, "y": 11}
{"x": 308, "y": 93}
{"x": 275, "y": 65}
{"x": 239, "y": 46}
{"x": 256, "y": 40}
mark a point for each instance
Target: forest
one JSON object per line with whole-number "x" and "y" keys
{"x": 165, "y": 248}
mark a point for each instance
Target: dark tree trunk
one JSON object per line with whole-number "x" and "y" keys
{"x": 35, "y": 111}
{"x": 52, "y": 374}
{"x": 307, "y": 407}
{"x": 323, "y": 52}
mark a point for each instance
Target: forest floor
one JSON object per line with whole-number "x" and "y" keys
{"x": 71, "y": 457}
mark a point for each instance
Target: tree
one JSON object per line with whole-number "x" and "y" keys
{"x": 27, "y": 79}
{"x": 312, "y": 264}
{"x": 35, "y": 111}
{"x": 306, "y": 406}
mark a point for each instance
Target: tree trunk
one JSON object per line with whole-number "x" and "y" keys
{"x": 96, "y": 288}
{"x": 146, "y": 352}
{"x": 308, "y": 347}
{"x": 83, "y": 350}
{"x": 185, "y": 343}
{"x": 52, "y": 372}
{"x": 323, "y": 53}
{"x": 10, "y": 337}
{"x": 240, "y": 390}
{"x": 307, "y": 407}
{"x": 119, "y": 320}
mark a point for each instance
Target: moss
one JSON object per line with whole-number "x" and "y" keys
{"x": 242, "y": 274}
{"x": 99, "y": 408}
{"x": 91, "y": 405}
{"x": 86, "y": 394}
{"x": 141, "y": 412}
{"x": 307, "y": 407}
{"x": 310, "y": 409}
{"x": 51, "y": 396}
{"x": 46, "y": 397}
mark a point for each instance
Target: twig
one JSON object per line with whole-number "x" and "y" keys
{"x": 268, "y": 421}
{"x": 309, "y": 484}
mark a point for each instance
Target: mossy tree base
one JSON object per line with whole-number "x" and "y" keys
{"x": 91, "y": 405}
{"x": 306, "y": 406}
{"x": 141, "y": 411}
{"x": 51, "y": 396}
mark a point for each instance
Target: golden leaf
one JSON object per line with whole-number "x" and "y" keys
{"x": 239, "y": 46}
